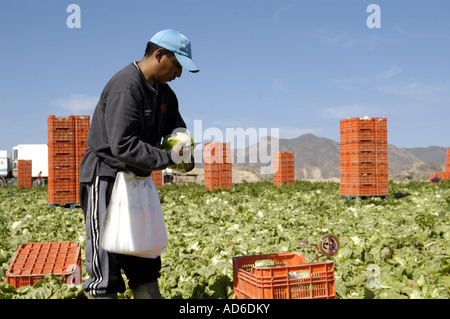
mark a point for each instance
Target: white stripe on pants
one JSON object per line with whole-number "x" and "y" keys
{"x": 104, "y": 277}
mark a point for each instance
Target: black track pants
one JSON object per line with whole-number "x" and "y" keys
{"x": 104, "y": 268}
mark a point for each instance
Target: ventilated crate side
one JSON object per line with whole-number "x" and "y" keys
{"x": 363, "y": 157}
{"x": 32, "y": 261}
{"x": 24, "y": 177}
{"x": 218, "y": 165}
{"x": 157, "y": 177}
{"x": 282, "y": 276}
{"x": 283, "y": 168}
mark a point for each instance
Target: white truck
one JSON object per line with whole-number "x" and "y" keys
{"x": 37, "y": 153}
{"x": 5, "y": 168}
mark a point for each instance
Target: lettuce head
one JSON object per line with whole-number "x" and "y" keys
{"x": 170, "y": 140}
{"x": 173, "y": 139}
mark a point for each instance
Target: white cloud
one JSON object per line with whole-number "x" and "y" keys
{"x": 76, "y": 103}
{"x": 393, "y": 71}
{"x": 349, "y": 82}
{"x": 435, "y": 92}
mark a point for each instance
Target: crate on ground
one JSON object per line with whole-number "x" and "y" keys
{"x": 442, "y": 176}
{"x": 283, "y": 168}
{"x": 61, "y": 197}
{"x": 283, "y": 180}
{"x": 32, "y": 261}
{"x": 24, "y": 177}
{"x": 218, "y": 166}
{"x": 282, "y": 276}
{"x": 363, "y": 157}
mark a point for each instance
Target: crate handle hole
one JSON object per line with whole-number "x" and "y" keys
{"x": 265, "y": 263}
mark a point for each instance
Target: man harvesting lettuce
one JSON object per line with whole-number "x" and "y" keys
{"x": 137, "y": 108}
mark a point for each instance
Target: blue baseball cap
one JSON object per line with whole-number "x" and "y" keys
{"x": 177, "y": 43}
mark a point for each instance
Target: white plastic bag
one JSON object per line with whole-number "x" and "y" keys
{"x": 135, "y": 222}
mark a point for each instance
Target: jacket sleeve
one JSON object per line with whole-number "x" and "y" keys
{"x": 123, "y": 122}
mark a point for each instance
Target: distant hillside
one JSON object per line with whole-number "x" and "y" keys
{"x": 317, "y": 158}
{"x": 432, "y": 154}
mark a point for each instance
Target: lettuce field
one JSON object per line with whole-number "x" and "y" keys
{"x": 398, "y": 247}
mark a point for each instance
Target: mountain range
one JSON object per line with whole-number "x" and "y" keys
{"x": 318, "y": 158}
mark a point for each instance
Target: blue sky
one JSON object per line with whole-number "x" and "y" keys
{"x": 299, "y": 66}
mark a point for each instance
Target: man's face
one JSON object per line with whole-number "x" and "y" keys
{"x": 169, "y": 69}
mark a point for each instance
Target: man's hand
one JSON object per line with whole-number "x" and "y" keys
{"x": 181, "y": 153}
{"x": 189, "y": 166}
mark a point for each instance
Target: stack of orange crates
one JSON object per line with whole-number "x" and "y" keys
{"x": 283, "y": 168}
{"x": 445, "y": 175}
{"x": 157, "y": 177}
{"x": 24, "y": 178}
{"x": 363, "y": 157}
{"x": 66, "y": 145}
{"x": 61, "y": 160}
{"x": 82, "y": 125}
{"x": 218, "y": 165}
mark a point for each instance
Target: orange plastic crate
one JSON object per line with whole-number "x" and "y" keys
{"x": 62, "y": 198}
{"x": 62, "y": 172}
{"x": 445, "y": 175}
{"x": 288, "y": 277}
{"x": 60, "y": 159}
{"x": 32, "y": 261}
{"x": 218, "y": 175}
{"x": 24, "y": 178}
{"x": 217, "y": 153}
{"x": 62, "y": 191}
{"x": 214, "y": 184}
{"x": 432, "y": 176}
{"x": 281, "y": 182}
{"x": 54, "y": 122}
{"x": 82, "y": 122}
{"x": 61, "y": 147}
{"x": 61, "y": 135}
{"x": 363, "y": 190}
{"x": 283, "y": 168}
{"x": 157, "y": 177}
